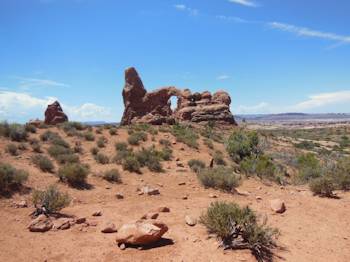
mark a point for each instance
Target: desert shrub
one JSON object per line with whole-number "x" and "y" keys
{"x": 261, "y": 166}
{"x": 166, "y": 153}
{"x": 344, "y": 142}
{"x": 341, "y": 174}
{"x": 89, "y": 136}
{"x": 208, "y": 143}
{"x": 22, "y": 146}
{"x": 74, "y": 174}
{"x": 196, "y": 165}
{"x": 219, "y": 158}
{"x": 150, "y": 158}
{"x": 219, "y": 178}
{"x": 48, "y": 135}
{"x": 35, "y": 144}
{"x": 121, "y": 146}
{"x": 309, "y": 167}
{"x": 101, "y": 142}
{"x": 43, "y": 162}
{"x": 78, "y": 147}
{"x": 137, "y": 137}
{"x": 164, "y": 129}
{"x": 72, "y": 126}
{"x": 242, "y": 144}
{"x": 239, "y": 228}
{"x": 102, "y": 158}
{"x": 209, "y": 132}
{"x": 51, "y": 198}
{"x": 67, "y": 158}
{"x": 131, "y": 164}
{"x": 99, "y": 130}
{"x": 12, "y": 149}
{"x": 306, "y": 145}
{"x": 4, "y": 129}
{"x": 121, "y": 155}
{"x": 322, "y": 186}
{"x": 113, "y": 131}
{"x": 112, "y": 176}
{"x": 11, "y": 178}
{"x": 30, "y": 128}
{"x": 185, "y": 134}
{"x": 94, "y": 151}
{"x": 165, "y": 142}
{"x": 56, "y": 150}
{"x": 60, "y": 142}
{"x": 17, "y": 133}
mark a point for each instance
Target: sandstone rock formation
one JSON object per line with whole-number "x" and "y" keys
{"x": 54, "y": 114}
{"x": 155, "y": 107}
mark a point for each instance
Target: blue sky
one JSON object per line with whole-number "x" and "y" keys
{"x": 272, "y": 56}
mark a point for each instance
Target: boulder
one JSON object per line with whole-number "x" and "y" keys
{"x": 62, "y": 223}
{"x": 155, "y": 108}
{"x": 54, "y": 114}
{"x": 40, "y": 224}
{"x": 190, "y": 221}
{"x": 142, "y": 232}
{"x": 109, "y": 227}
{"x": 277, "y": 206}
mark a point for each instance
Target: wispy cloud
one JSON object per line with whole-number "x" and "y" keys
{"x": 235, "y": 19}
{"x": 223, "y": 77}
{"x": 306, "y": 32}
{"x": 187, "y": 9}
{"x": 262, "y": 107}
{"x": 26, "y": 83}
{"x": 248, "y": 3}
{"x": 323, "y": 99}
{"x": 15, "y": 106}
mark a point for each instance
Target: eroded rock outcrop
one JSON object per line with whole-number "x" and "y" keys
{"x": 155, "y": 107}
{"x": 54, "y": 114}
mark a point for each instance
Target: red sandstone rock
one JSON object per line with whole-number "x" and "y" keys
{"x": 54, "y": 114}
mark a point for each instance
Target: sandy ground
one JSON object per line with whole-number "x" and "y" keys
{"x": 312, "y": 228}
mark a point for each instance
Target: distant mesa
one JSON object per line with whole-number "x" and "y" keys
{"x": 155, "y": 107}
{"x": 54, "y": 114}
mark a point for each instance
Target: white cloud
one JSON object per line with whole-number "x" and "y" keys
{"x": 16, "y": 106}
{"x": 262, "y": 107}
{"x": 184, "y": 8}
{"x": 248, "y": 3}
{"x": 323, "y": 99}
{"x": 223, "y": 77}
{"x": 26, "y": 83}
{"x": 304, "y": 31}
{"x": 232, "y": 19}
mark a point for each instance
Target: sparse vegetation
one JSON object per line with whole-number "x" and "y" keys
{"x": 136, "y": 137}
{"x": 165, "y": 142}
{"x": 208, "y": 143}
{"x": 48, "y": 135}
{"x": 196, "y": 165}
{"x": 149, "y": 157}
{"x": 11, "y": 178}
{"x": 74, "y": 174}
{"x": 131, "y": 164}
{"x": 242, "y": 144}
{"x": 101, "y": 142}
{"x": 185, "y": 134}
{"x": 51, "y": 198}
{"x": 238, "y": 228}
{"x": 113, "y": 131}
{"x": 112, "y": 176}
{"x": 15, "y": 132}
{"x": 43, "y": 162}
{"x": 94, "y": 151}
{"x": 102, "y": 158}
{"x": 322, "y": 186}
{"x": 219, "y": 178}
{"x": 30, "y": 128}
{"x": 121, "y": 146}
{"x": 12, "y": 149}
{"x": 261, "y": 166}
{"x": 309, "y": 167}
{"x": 89, "y": 136}
{"x": 218, "y": 157}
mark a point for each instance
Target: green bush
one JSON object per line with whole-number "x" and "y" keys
{"x": 67, "y": 158}
{"x": 94, "y": 151}
{"x": 56, "y": 150}
{"x": 165, "y": 142}
{"x": 74, "y": 174}
{"x": 341, "y": 175}
{"x": 72, "y": 127}
{"x": 219, "y": 178}
{"x": 60, "y": 142}
{"x": 166, "y": 153}
{"x": 12, "y": 149}
{"x": 102, "y": 158}
{"x": 35, "y": 144}
{"x": 101, "y": 142}
{"x": 306, "y": 145}
{"x": 242, "y": 144}
{"x": 322, "y": 186}
{"x": 11, "y": 178}
{"x": 219, "y": 158}
{"x": 112, "y": 176}
{"x": 17, "y": 133}
{"x": 261, "y": 166}
{"x": 30, "y": 128}
{"x": 51, "y": 198}
{"x": 131, "y": 164}
{"x": 137, "y": 137}
{"x": 185, "y": 134}
{"x": 49, "y": 136}
{"x": 239, "y": 228}
{"x": 150, "y": 158}
{"x": 113, "y": 131}
{"x": 208, "y": 143}
{"x": 196, "y": 165}
{"x": 89, "y": 136}
{"x": 309, "y": 167}
{"x": 121, "y": 146}
{"x": 99, "y": 130}
{"x": 42, "y": 162}
{"x": 78, "y": 147}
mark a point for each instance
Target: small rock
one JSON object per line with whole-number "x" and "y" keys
{"x": 179, "y": 164}
{"x": 241, "y": 192}
{"x": 97, "y": 213}
{"x": 185, "y": 197}
{"x": 160, "y": 184}
{"x": 149, "y": 191}
{"x": 108, "y": 187}
{"x": 163, "y": 209}
{"x": 92, "y": 223}
{"x": 278, "y": 206}
{"x": 21, "y": 204}
{"x": 211, "y": 195}
{"x": 150, "y": 215}
{"x": 40, "y": 224}
{"x": 182, "y": 183}
{"x": 80, "y": 220}
{"x": 61, "y": 224}
{"x": 122, "y": 246}
{"x": 258, "y": 198}
{"x": 190, "y": 221}
{"x": 119, "y": 196}
{"x": 177, "y": 159}
{"x": 109, "y": 227}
